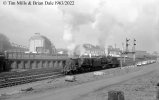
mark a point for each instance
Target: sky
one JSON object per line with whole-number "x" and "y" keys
{"x": 99, "y": 22}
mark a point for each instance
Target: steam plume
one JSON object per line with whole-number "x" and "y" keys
{"x": 73, "y": 20}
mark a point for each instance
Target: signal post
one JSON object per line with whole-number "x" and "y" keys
{"x": 127, "y": 51}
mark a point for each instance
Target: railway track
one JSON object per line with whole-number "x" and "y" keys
{"x": 23, "y": 78}
{"x": 26, "y": 73}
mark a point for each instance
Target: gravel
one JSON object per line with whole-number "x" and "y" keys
{"x": 89, "y": 77}
{"x": 140, "y": 88}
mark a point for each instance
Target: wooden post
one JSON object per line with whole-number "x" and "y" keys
{"x": 115, "y": 95}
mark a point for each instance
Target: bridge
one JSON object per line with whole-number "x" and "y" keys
{"x": 26, "y": 61}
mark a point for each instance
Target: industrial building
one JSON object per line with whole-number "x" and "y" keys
{"x": 115, "y": 52}
{"x": 40, "y": 44}
{"x": 89, "y": 50}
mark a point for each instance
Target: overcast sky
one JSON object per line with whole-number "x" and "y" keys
{"x": 102, "y": 22}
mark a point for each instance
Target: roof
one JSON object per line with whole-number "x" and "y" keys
{"x": 114, "y": 49}
{"x": 38, "y": 36}
{"x": 89, "y": 47}
{"x": 92, "y": 47}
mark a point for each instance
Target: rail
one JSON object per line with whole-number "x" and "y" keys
{"x": 24, "y": 78}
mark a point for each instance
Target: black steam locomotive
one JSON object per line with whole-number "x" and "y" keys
{"x": 79, "y": 65}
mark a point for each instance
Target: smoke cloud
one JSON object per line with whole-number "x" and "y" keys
{"x": 117, "y": 20}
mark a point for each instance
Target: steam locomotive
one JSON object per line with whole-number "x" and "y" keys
{"x": 79, "y": 65}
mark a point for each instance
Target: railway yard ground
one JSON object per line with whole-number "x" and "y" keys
{"x": 137, "y": 83}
